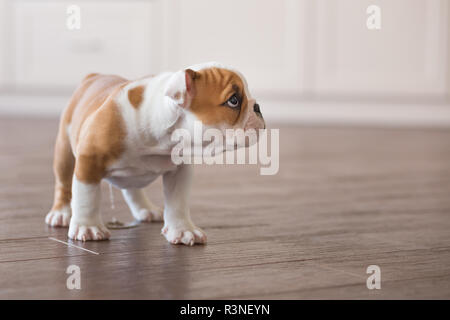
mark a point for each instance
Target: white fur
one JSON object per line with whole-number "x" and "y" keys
{"x": 178, "y": 226}
{"x": 59, "y": 218}
{"x": 86, "y": 222}
{"x": 141, "y": 208}
{"x": 148, "y": 156}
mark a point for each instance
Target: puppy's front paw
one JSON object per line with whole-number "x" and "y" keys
{"x": 88, "y": 232}
{"x": 187, "y": 234}
{"x": 59, "y": 218}
{"x": 154, "y": 214}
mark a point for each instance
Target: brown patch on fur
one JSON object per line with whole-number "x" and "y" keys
{"x": 135, "y": 95}
{"x": 63, "y": 164}
{"x": 89, "y": 97}
{"x": 89, "y": 101}
{"x": 146, "y": 77}
{"x": 90, "y": 75}
{"x": 101, "y": 142}
{"x": 214, "y": 86}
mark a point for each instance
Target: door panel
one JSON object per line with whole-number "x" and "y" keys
{"x": 48, "y": 54}
{"x": 407, "y": 55}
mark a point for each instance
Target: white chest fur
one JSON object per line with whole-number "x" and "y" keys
{"x": 147, "y": 145}
{"x": 133, "y": 171}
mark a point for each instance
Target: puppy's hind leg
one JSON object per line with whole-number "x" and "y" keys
{"x": 142, "y": 208}
{"x": 63, "y": 166}
{"x": 86, "y": 223}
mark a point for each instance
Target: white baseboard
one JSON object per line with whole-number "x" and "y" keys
{"x": 277, "y": 111}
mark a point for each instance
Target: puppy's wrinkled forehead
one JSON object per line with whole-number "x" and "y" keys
{"x": 220, "y": 96}
{"x": 219, "y": 82}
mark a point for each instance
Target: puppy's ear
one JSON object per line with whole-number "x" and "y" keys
{"x": 181, "y": 87}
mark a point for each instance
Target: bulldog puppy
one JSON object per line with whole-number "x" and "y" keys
{"x": 120, "y": 131}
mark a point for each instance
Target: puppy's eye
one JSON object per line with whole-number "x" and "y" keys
{"x": 233, "y": 102}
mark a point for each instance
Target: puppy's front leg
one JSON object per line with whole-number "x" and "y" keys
{"x": 178, "y": 227}
{"x": 86, "y": 223}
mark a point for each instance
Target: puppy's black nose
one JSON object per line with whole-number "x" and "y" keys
{"x": 256, "y": 108}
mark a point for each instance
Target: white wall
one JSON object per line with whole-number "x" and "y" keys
{"x": 306, "y": 60}
{"x": 408, "y": 56}
{"x": 3, "y": 42}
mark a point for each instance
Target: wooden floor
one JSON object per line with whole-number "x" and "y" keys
{"x": 344, "y": 199}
